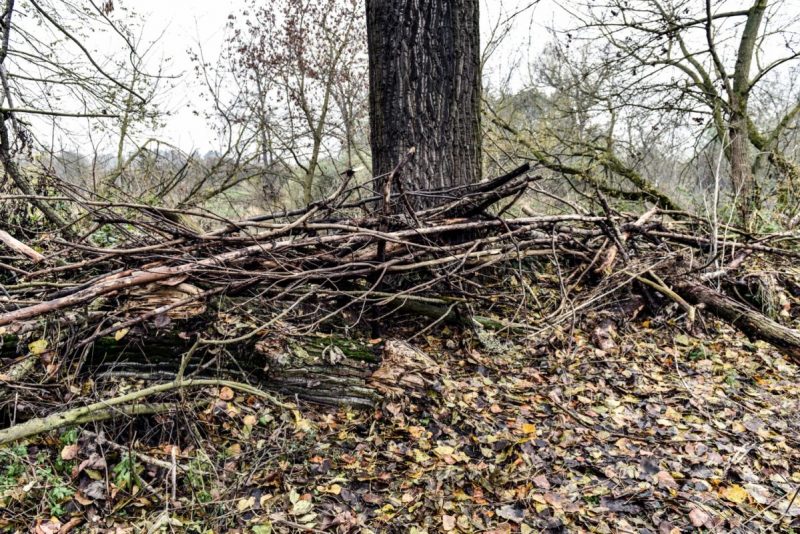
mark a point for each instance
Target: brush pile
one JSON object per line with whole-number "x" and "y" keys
{"x": 475, "y": 256}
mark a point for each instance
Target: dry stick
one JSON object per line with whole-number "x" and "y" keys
{"x": 697, "y": 241}
{"x": 613, "y": 232}
{"x": 438, "y": 320}
{"x": 732, "y": 266}
{"x": 19, "y": 247}
{"x": 102, "y": 440}
{"x": 34, "y": 427}
{"x": 376, "y": 278}
{"x": 364, "y": 201}
{"x": 791, "y": 502}
{"x": 554, "y": 319}
{"x": 611, "y": 255}
{"x": 256, "y": 330}
{"x": 659, "y": 285}
{"x": 129, "y": 278}
{"x": 14, "y": 269}
{"x": 133, "y": 278}
{"x": 125, "y": 280}
{"x": 109, "y": 254}
{"x": 771, "y": 505}
{"x": 352, "y": 233}
{"x": 662, "y": 288}
{"x": 152, "y": 313}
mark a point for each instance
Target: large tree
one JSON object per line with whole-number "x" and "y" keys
{"x": 425, "y": 90}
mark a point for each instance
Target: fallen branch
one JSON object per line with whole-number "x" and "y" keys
{"x": 121, "y": 405}
{"x": 753, "y": 323}
{"x": 19, "y": 247}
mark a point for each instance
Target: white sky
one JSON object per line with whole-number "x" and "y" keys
{"x": 185, "y": 24}
{"x": 180, "y": 25}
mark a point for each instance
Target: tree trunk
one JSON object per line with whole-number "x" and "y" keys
{"x": 741, "y": 171}
{"x": 425, "y": 89}
{"x": 742, "y": 177}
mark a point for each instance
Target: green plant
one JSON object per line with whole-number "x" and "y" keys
{"x": 70, "y": 436}
{"x": 55, "y": 486}
{"x": 56, "y": 497}
{"x": 13, "y": 467}
{"x": 52, "y": 479}
{"x": 697, "y": 353}
{"x": 196, "y": 475}
{"x": 126, "y": 472}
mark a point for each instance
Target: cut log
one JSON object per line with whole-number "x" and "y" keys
{"x": 751, "y": 322}
{"x": 323, "y": 369}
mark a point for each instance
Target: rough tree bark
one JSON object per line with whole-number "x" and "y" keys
{"x": 424, "y": 63}
{"x": 741, "y": 172}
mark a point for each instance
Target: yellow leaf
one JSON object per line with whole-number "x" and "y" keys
{"x": 460, "y": 495}
{"x": 38, "y": 346}
{"x": 119, "y": 334}
{"x": 250, "y": 420}
{"x": 304, "y": 425}
{"x": 245, "y": 504}
{"x": 301, "y": 507}
{"x": 416, "y": 431}
{"x": 529, "y": 428}
{"x": 333, "y": 489}
{"x": 420, "y": 457}
{"x": 735, "y": 494}
{"x": 444, "y": 450}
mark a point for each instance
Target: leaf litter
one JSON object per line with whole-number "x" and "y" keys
{"x": 661, "y": 432}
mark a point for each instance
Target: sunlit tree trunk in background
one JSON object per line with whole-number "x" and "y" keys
{"x": 424, "y": 63}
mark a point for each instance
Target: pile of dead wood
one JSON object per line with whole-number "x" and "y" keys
{"x": 469, "y": 255}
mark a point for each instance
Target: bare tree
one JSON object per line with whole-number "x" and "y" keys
{"x": 49, "y": 74}
{"x": 706, "y": 65}
{"x": 300, "y": 66}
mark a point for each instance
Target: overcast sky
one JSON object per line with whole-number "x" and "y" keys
{"x": 185, "y": 24}
{"x": 177, "y": 26}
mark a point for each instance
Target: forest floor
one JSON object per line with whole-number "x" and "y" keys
{"x": 665, "y": 432}
{"x": 606, "y": 399}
